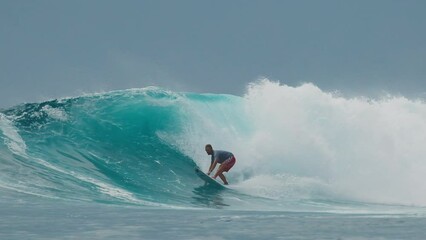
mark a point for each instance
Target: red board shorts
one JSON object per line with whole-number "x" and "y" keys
{"x": 228, "y": 163}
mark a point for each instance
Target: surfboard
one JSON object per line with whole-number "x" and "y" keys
{"x": 207, "y": 178}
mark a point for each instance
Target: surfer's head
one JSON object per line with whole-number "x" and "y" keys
{"x": 209, "y": 149}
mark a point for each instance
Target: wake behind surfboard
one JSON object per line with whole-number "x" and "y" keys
{"x": 207, "y": 178}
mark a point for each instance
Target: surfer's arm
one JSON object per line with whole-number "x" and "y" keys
{"x": 212, "y": 166}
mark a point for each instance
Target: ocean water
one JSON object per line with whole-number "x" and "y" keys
{"x": 310, "y": 165}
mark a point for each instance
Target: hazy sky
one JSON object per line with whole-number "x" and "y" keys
{"x": 60, "y": 48}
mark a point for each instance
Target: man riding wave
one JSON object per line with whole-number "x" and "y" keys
{"x": 224, "y": 158}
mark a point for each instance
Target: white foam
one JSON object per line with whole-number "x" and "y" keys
{"x": 11, "y": 138}
{"x": 281, "y": 186}
{"x": 55, "y": 113}
{"x": 363, "y": 149}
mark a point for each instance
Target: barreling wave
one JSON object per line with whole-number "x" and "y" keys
{"x": 295, "y": 147}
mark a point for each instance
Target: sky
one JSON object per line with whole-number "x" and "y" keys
{"x": 57, "y": 48}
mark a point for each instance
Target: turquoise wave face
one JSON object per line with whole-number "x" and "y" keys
{"x": 102, "y": 148}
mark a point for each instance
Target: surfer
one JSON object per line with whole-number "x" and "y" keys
{"x": 224, "y": 158}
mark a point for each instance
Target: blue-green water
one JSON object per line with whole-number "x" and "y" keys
{"x": 302, "y": 155}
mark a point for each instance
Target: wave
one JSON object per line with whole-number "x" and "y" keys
{"x": 296, "y": 147}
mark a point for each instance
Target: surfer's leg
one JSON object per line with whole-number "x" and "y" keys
{"x": 220, "y": 174}
{"x": 223, "y": 178}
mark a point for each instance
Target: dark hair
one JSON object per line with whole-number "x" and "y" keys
{"x": 209, "y": 145}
